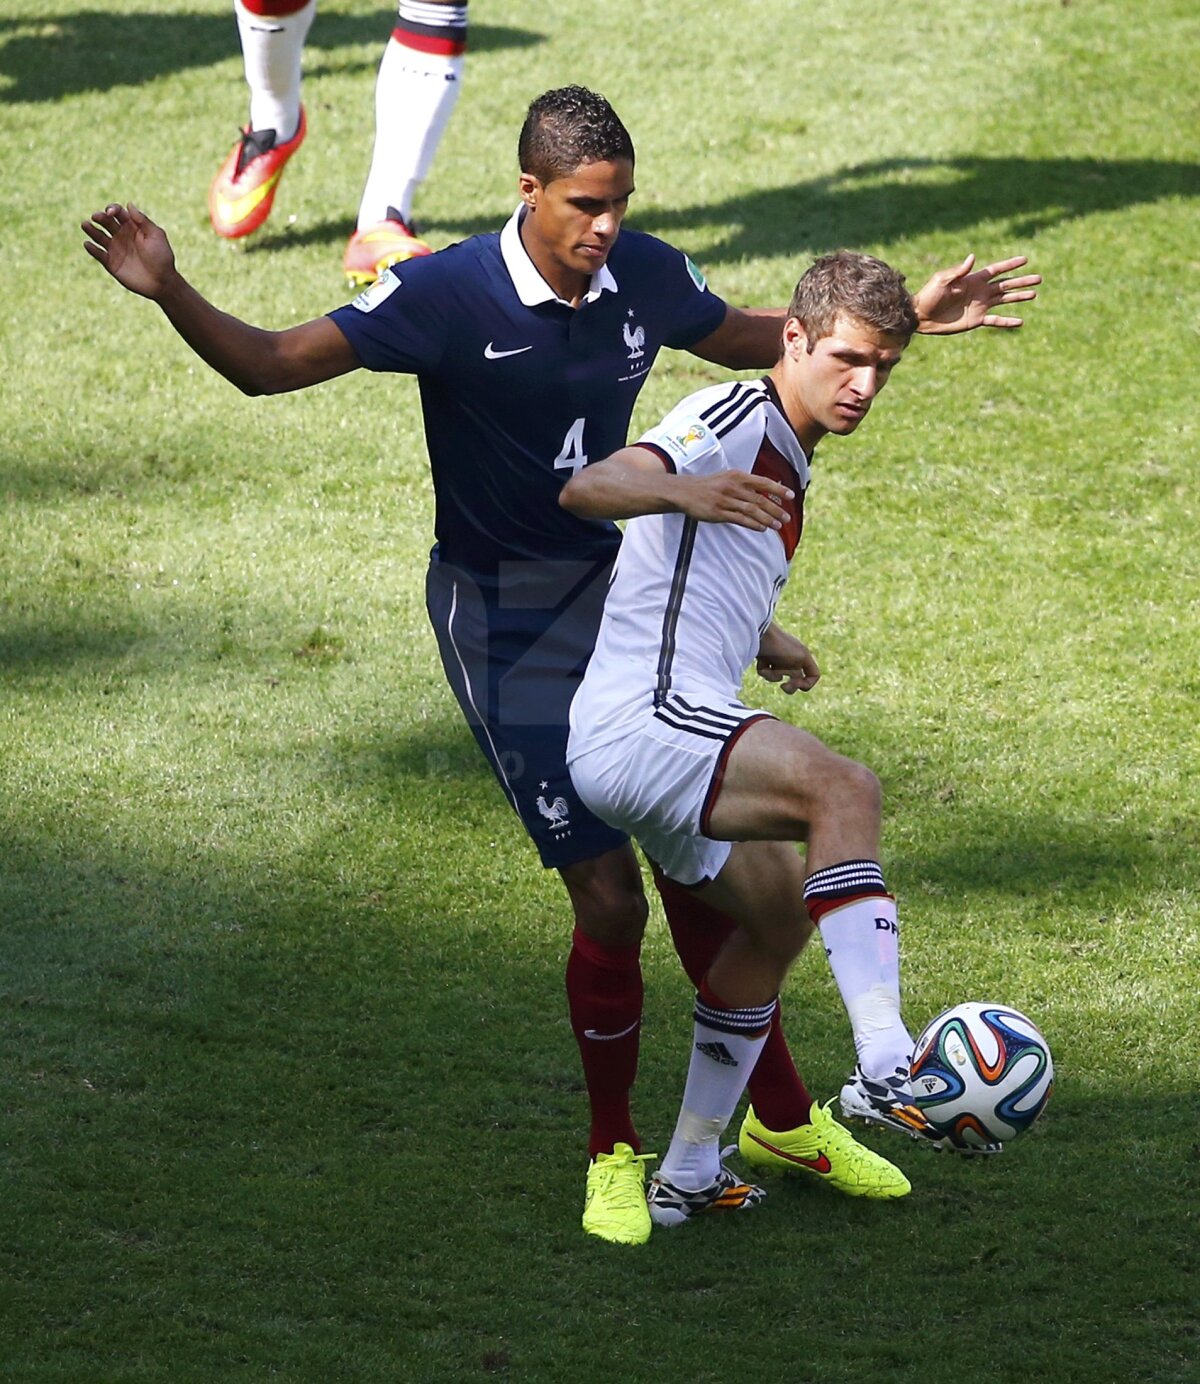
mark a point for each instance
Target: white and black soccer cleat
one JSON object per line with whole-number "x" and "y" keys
{"x": 671, "y": 1205}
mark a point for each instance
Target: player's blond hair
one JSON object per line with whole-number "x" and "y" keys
{"x": 849, "y": 284}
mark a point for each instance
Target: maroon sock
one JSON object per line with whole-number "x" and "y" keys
{"x": 604, "y": 996}
{"x": 779, "y": 1096}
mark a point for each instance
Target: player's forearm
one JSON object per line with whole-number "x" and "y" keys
{"x": 246, "y": 356}
{"x": 621, "y": 489}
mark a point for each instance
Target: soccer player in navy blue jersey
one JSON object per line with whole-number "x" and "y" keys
{"x": 530, "y": 346}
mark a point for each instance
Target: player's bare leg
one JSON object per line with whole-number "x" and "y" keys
{"x": 760, "y": 887}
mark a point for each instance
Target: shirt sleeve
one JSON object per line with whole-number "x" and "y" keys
{"x": 687, "y": 445}
{"x": 695, "y": 310}
{"x": 400, "y": 323}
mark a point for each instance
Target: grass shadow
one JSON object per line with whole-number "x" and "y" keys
{"x": 99, "y": 50}
{"x": 225, "y": 1092}
{"x": 898, "y": 198}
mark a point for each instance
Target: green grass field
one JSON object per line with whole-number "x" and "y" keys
{"x": 288, "y": 1085}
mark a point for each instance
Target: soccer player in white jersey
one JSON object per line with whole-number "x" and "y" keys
{"x": 662, "y": 747}
{"x": 530, "y": 346}
{"x": 416, "y": 89}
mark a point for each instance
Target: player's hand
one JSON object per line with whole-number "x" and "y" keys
{"x": 733, "y": 497}
{"x": 959, "y": 300}
{"x": 784, "y": 659}
{"x": 131, "y": 248}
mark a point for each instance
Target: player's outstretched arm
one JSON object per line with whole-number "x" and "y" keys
{"x": 959, "y": 300}
{"x": 747, "y": 339}
{"x": 783, "y": 658}
{"x": 634, "y": 481}
{"x": 137, "y": 253}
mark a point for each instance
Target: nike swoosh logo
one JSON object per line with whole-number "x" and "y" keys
{"x": 490, "y": 352}
{"x": 817, "y": 1165}
{"x": 608, "y": 1037}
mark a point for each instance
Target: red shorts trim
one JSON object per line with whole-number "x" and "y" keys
{"x": 718, "y": 777}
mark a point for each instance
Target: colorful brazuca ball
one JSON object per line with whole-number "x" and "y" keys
{"x": 981, "y": 1072}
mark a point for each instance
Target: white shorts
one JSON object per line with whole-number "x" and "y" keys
{"x": 659, "y": 782}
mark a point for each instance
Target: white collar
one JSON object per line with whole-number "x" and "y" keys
{"x": 531, "y": 288}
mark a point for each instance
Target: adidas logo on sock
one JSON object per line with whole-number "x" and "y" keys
{"x": 718, "y": 1052}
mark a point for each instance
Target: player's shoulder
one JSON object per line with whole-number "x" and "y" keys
{"x": 430, "y": 281}
{"x": 701, "y": 429}
{"x": 721, "y": 408}
{"x": 478, "y": 254}
{"x": 639, "y": 250}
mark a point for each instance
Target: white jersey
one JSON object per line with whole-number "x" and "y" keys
{"x": 689, "y": 601}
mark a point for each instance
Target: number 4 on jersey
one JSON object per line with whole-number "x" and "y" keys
{"x": 571, "y": 456}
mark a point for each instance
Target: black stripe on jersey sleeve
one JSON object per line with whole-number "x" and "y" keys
{"x": 727, "y": 426}
{"x": 738, "y": 401}
{"x": 712, "y": 413}
{"x": 666, "y": 650}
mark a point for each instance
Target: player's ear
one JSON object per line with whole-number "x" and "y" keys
{"x": 530, "y": 189}
{"x": 795, "y": 340}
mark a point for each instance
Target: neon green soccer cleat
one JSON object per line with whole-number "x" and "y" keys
{"x": 615, "y": 1206}
{"x": 827, "y": 1150}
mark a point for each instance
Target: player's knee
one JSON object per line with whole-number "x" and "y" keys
{"x": 833, "y": 788}
{"x": 863, "y": 790}
{"x": 607, "y": 897}
{"x": 613, "y": 915}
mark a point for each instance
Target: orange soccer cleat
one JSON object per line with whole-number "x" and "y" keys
{"x": 243, "y": 191}
{"x": 373, "y": 249}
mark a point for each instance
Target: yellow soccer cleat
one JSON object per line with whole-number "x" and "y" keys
{"x": 615, "y": 1206}
{"x": 827, "y": 1150}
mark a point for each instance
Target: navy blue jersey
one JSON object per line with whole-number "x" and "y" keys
{"x": 519, "y": 389}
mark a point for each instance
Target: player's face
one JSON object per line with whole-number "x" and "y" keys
{"x": 833, "y": 387}
{"x": 573, "y": 222}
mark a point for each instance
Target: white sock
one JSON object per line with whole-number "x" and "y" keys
{"x": 415, "y": 93}
{"x": 862, "y": 941}
{"x": 723, "y": 1056}
{"x": 271, "y": 50}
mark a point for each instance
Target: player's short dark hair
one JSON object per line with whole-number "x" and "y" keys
{"x": 567, "y": 128}
{"x": 852, "y": 285}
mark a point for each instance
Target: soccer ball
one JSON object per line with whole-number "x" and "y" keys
{"x": 981, "y": 1072}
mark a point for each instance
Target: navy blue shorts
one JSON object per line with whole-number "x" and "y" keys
{"x": 514, "y": 649}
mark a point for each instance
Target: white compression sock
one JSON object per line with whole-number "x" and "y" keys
{"x": 725, "y": 1046}
{"x": 415, "y": 93}
{"x": 862, "y": 941}
{"x": 271, "y": 49}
